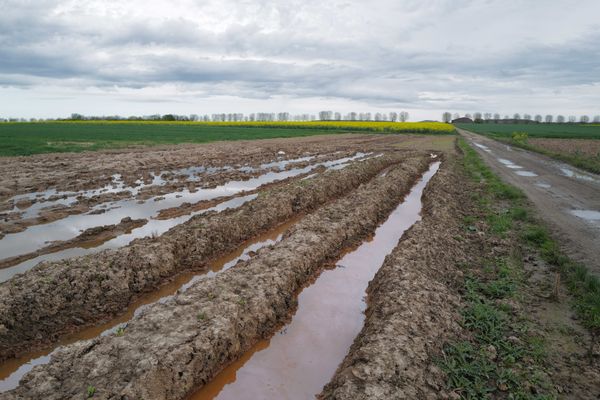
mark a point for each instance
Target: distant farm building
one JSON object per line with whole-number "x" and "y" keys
{"x": 462, "y": 120}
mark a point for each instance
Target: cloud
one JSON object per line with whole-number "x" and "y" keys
{"x": 425, "y": 55}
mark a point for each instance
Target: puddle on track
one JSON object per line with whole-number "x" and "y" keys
{"x": 588, "y": 215}
{"x": 13, "y": 370}
{"x": 526, "y": 173}
{"x": 569, "y": 173}
{"x": 483, "y": 147}
{"x": 509, "y": 164}
{"x": 35, "y": 237}
{"x": 302, "y": 356}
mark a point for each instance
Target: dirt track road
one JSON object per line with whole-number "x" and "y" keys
{"x": 566, "y": 197}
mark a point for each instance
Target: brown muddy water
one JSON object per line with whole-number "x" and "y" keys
{"x": 303, "y": 355}
{"x": 13, "y": 370}
{"x": 36, "y": 237}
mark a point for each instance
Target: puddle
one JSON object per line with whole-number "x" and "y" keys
{"x": 588, "y": 215}
{"x": 153, "y": 227}
{"x": 509, "y": 164}
{"x": 482, "y": 147}
{"x": 543, "y": 185}
{"x": 35, "y": 237}
{"x": 569, "y": 173}
{"x": 13, "y": 370}
{"x": 526, "y": 173}
{"x": 302, "y": 357}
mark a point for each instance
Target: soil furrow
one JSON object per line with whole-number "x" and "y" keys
{"x": 59, "y": 297}
{"x": 413, "y": 304}
{"x": 176, "y": 346}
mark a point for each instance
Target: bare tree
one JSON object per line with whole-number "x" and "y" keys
{"x": 584, "y": 119}
{"x": 597, "y": 119}
{"x": 527, "y": 117}
{"x": 538, "y": 118}
{"x": 496, "y": 117}
{"x": 477, "y": 117}
{"x": 467, "y": 115}
{"x": 393, "y": 116}
{"x": 572, "y": 119}
{"x": 325, "y": 115}
{"x": 446, "y": 117}
{"x": 487, "y": 116}
{"x": 548, "y": 119}
{"x": 403, "y": 115}
{"x": 560, "y": 119}
{"x": 517, "y": 116}
{"x": 456, "y": 116}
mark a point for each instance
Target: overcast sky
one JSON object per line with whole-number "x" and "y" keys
{"x": 140, "y": 57}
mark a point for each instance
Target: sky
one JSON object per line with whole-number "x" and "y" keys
{"x": 142, "y": 57}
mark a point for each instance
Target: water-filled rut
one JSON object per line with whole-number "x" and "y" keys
{"x": 64, "y": 296}
{"x": 303, "y": 355}
{"x": 178, "y": 345}
{"x": 13, "y": 370}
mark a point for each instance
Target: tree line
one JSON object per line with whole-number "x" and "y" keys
{"x": 393, "y": 116}
{"x": 538, "y": 118}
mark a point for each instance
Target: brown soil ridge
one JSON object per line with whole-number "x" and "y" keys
{"x": 91, "y": 237}
{"x": 65, "y": 296}
{"x": 174, "y": 347}
{"x": 188, "y": 208}
{"x": 413, "y": 304}
{"x": 89, "y": 170}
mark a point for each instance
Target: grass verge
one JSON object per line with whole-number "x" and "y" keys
{"x": 503, "y": 357}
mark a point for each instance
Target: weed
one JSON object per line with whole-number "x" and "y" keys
{"x": 120, "y": 331}
{"x": 91, "y": 391}
{"x": 201, "y": 316}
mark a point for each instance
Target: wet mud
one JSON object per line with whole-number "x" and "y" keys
{"x": 174, "y": 347}
{"x": 55, "y": 298}
{"x": 303, "y": 355}
{"x": 91, "y": 237}
{"x": 413, "y": 304}
{"x": 13, "y": 370}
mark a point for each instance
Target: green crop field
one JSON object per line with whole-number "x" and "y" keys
{"x": 559, "y": 131}
{"x": 50, "y": 137}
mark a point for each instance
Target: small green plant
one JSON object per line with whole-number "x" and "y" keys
{"x": 91, "y": 391}
{"x": 201, "y": 316}
{"x": 120, "y": 331}
{"x": 520, "y": 137}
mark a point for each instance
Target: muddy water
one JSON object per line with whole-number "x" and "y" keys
{"x": 35, "y": 237}
{"x": 153, "y": 227}
{"x": 13, "y": 370}
{"x": 302, "y": 357}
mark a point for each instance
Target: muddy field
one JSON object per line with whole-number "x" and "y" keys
{"x": 322, "y": 266}
{"x": 583, "y": 147}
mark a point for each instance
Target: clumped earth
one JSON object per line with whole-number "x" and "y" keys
{"x": 412, "y": 303}
{"x": 417, "y": 321}
{"x": 176, "y": 346}
{"x": 91, "y": 237}
{"x": 63, "y": 296}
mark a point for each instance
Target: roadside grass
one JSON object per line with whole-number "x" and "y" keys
{"x": 503, "y": 358}
{"x": 506, "y": 133}
{"x": 18, "y": 139}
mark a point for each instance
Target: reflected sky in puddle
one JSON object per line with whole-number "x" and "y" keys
{"x": 302, "y": 356}
{"x": 36, "y": 237}
{"x": 588, "y": 215}
{"x": 13, "y": 370}
{"x": 526, "y": 173}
